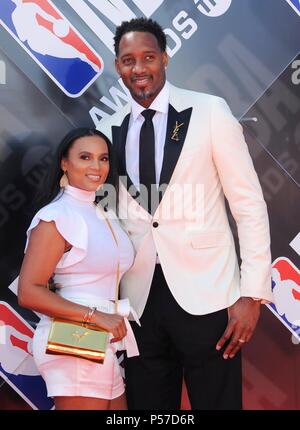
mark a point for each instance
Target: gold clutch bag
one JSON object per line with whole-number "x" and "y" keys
{"x": 80, "y": 340}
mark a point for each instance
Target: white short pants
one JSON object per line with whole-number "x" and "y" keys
{"x": 72, "y": 376}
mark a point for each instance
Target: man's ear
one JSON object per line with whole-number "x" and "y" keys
{"x": 165, "y": 59}
{"x": 117, "y": 66}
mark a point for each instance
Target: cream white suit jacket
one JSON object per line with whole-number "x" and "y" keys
{"x": 189, "y": 230}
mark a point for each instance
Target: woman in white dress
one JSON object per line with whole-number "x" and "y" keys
{"x": 69, "y": 239}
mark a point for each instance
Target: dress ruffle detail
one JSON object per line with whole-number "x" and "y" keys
{"x": 67, "y": 223}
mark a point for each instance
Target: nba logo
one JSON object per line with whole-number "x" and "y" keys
{"x": 53, "y": 43}
{"x": 17, "y": 366}
{"x": 286, "y": 293}
{"x": 295, "y": 4}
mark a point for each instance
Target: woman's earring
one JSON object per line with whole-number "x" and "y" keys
{"x": 64, "y": 181}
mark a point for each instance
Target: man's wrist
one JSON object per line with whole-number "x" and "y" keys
{"x": 257, "y": 299}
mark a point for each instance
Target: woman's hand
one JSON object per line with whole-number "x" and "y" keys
{"x": 112, "y": 323}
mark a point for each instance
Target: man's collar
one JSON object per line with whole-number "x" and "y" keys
{"x": 159, "y": 104}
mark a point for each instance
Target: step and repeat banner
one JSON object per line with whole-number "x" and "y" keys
{"x": 57, "y": 72}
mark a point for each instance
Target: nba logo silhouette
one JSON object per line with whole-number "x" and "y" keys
{"x": 286, "y": 293}
{"x": 53, "y": 43}
{"x": 17, "y": 366}
{"x": 295, "y": 4}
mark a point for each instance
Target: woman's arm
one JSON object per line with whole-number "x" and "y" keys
{"x": 45, "y": 249}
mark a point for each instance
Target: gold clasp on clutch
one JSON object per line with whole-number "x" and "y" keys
{"x": 78, "y": 336}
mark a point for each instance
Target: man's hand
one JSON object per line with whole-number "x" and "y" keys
{"x": 242, "y": 319}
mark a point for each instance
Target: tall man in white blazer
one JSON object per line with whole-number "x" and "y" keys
{"x": 197, "y": 307}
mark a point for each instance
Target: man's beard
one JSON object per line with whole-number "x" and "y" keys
{"x": 143, "y": 95}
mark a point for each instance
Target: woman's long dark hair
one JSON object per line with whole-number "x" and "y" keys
{"x": 50, "y": 187}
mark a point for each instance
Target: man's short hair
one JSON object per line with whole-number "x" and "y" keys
{"x": 141, "y": 24}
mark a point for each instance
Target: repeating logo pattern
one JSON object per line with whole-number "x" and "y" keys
{"x": 286, "y": 291}
{"x": 295, "y": 4}
{"x": 17, "y": 366}
{"x": 53, "y": 43}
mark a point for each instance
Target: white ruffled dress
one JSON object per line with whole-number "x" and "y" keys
{"x": 87, "y": 275}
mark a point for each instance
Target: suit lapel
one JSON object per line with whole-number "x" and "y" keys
{"x": 177, "y": 127}
{"x": 173, "y": 145}
{"x": 119, "y": 136}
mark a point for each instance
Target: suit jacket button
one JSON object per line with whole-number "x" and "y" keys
{"x": 155, "y": 224}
